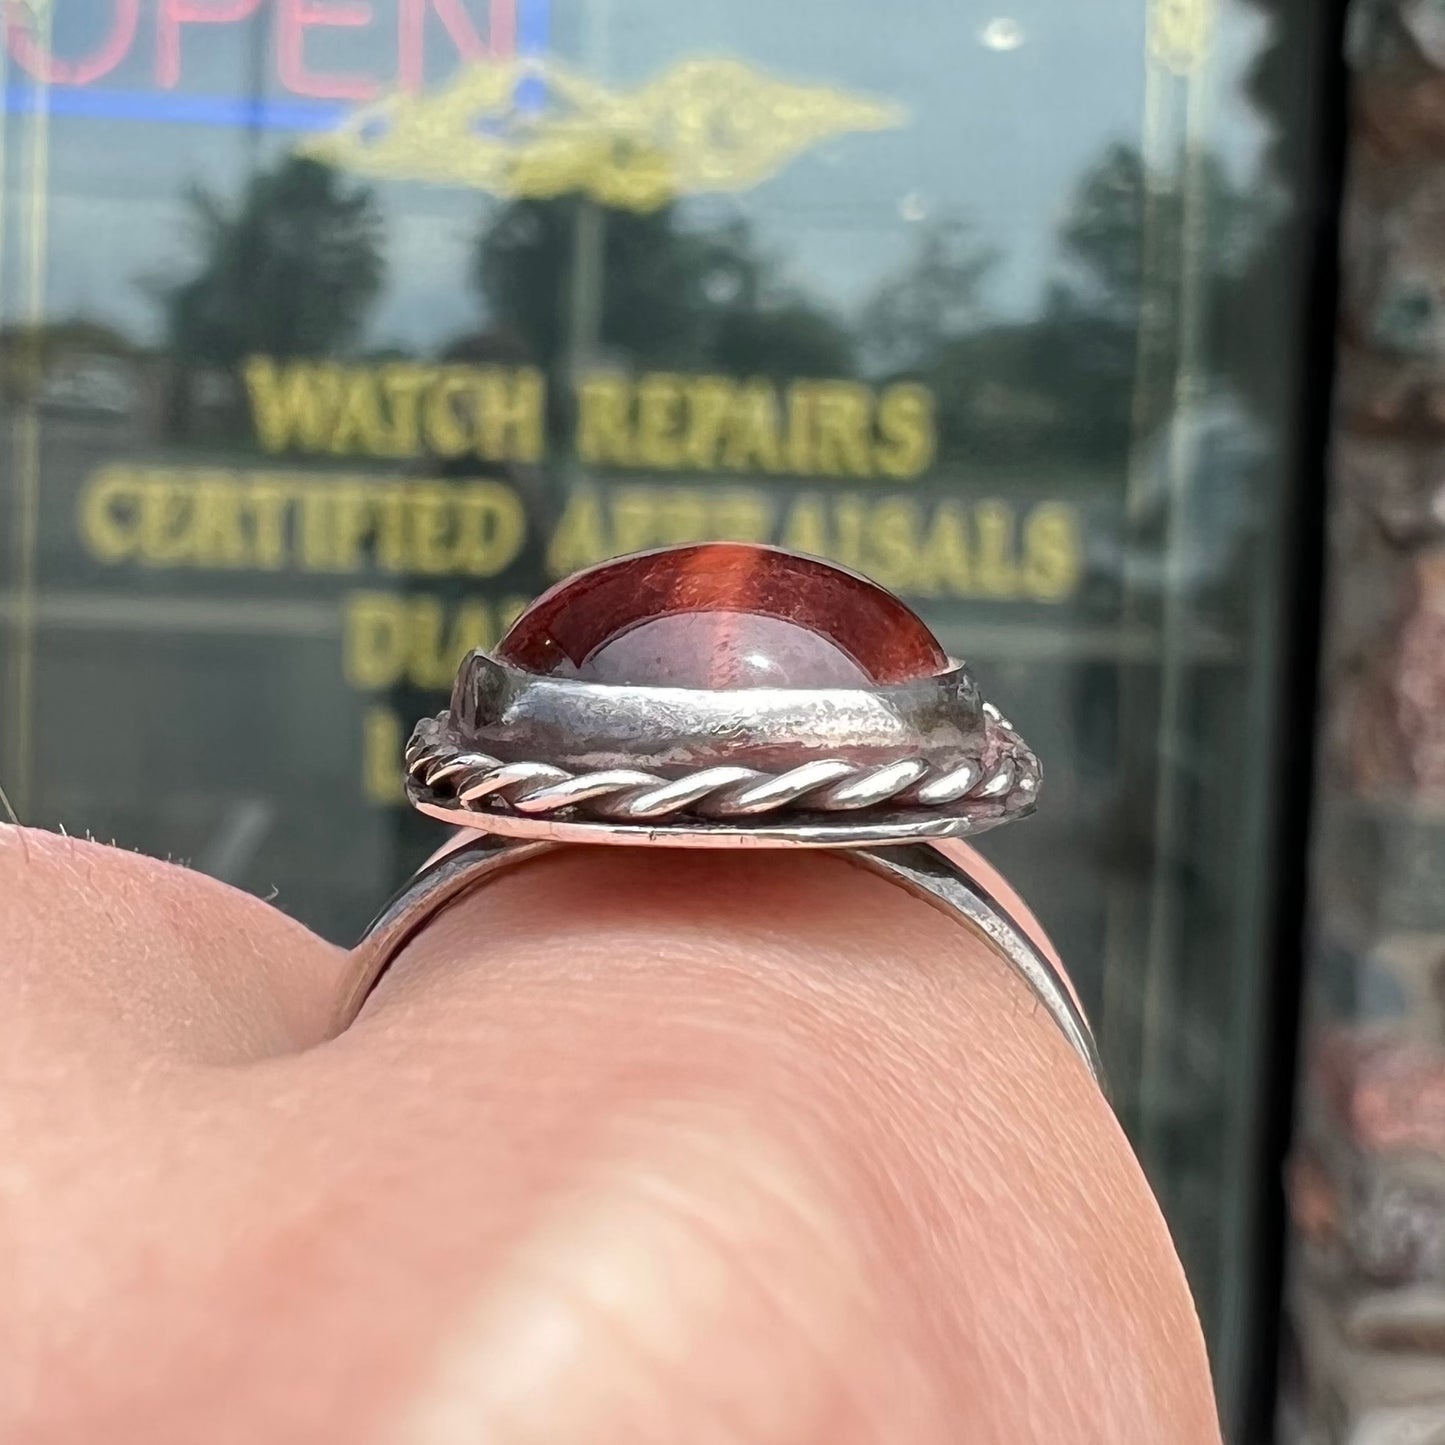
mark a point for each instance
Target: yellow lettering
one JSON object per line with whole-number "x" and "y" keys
{"x": 109, "y": 511}
{"x": 390, "y": 533}
{"x": 581, "y": 535}
{"x": 217, "y": 538}
{"x": 294, "y": 405}
{"x": 441, "y": 425}
{"x": 266, "y": 501}
{"x": 946, "y": 567}
{"x": 381, "y": 756}
{"x": 682, "y": 516}
{"x": 634, "y": 519}
{"x": 709, "y": 399}
{"x": 852, "y": 528}
{"x": 428, "y": 662}
{"x": 742, "y": 516}
{"x": 164, "y": 515}
{"x": 802, "y": 421}
{"x": 752, "y": 429}
{"x": 214, "y": 518}
{"x": 350, "y": 528}
{"x": 806, "y": 528}
{"x": 403, "y": 383}
{"x": 491, "y": 529}
{"x": 893, "y": 552}
{"x": 512, "y": 425}
{"x": 429, "y": 530}
{"x": 475, "y": 625}
{"x": 996, "y": 573}
{"x": 374, "y": 640}
{"x": 906, "y": 431}
{"x": 390, "y": 639}
{"x": 844, "y": 415}
{"x": 358, "y": 425}
{"x": 659, "y": 402}
{"x": 604, "y": 422}
{"x": 1053, "y": 552}
{"x": 508, "y": 612}
{"x": 316, "y": 531}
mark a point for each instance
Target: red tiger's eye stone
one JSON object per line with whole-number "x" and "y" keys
{"x": 722, "y": 614}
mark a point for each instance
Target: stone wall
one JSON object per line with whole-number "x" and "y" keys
{"x": 1367, "y": 1177}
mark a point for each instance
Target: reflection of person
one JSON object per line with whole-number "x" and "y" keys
{"x": 752, "y": 1148}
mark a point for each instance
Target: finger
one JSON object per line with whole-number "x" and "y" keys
{"x": 105, "y": 948}
{"x": 753, "y": 1148}
{"x": 630, "y": 1148}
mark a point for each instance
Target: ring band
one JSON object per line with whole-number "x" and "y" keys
{"x": 725, "y": 695}
{"x": 937, "y": 875}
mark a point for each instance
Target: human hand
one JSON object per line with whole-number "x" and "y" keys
{"x": 626, "y": 1147}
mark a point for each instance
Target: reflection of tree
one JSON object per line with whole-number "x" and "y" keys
{"x": 1064, "y": 383}
{"x": 289, "y": 271}
{"x": 1126, "y": 254}
{"x": 666, "y": 295}
{"x": 933, "y": 301}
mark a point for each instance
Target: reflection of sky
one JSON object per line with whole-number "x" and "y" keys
{"x": 1000, "y": 137}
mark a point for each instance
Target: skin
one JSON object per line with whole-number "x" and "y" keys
{"x": 624, "y": 1148}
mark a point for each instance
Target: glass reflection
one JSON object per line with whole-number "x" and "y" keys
{"x": 327, "y": 345}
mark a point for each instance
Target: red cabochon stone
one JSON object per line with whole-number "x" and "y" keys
{"x": 722, "y": 614}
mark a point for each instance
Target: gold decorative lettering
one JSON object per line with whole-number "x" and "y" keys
{"x": 753, "y": 430}
{"x": 381, "y": 744}
{"x": 266, "y": 503}
{"x": 294, "y": 405}
{"x": 659, "y": 403}
{"x": 996, "y": 573}
{"x": 906, "y": 430}
{"x": 634, "y": 519}
{"x": 316, "y": 547}
{"x": 806, "y": 527}
{"x": 708, "y": 401}
{"x": 742, "y": 516}
{"x": 580, "y": 537}
{"x": 392, "y": 639}
{"x": 109, "y": 512}
{"x": 442, "y": 429}
{"x": 217, "y": 537}
{"x": 391, "y": 531}
{"x": 358, "y": 423}
{"x": 946, "y": 567}
{"x": 852, "y": 528}
{"x": 512, "y": 426}
{"x": 403, "y": 384}
{"x": 843, "y": 412}
{"x": 802, "y": 426}
{"x": 164, "y": 516}
{"x": 429, "y": 554}
{"x": 351, "y": 525}
{"x": 604, "y": 421}
{"x": 894, "y": 551}
{"x": 374, "y": 640}
{"x": 1053, "y": 552}
{"x": 491, "y": 529}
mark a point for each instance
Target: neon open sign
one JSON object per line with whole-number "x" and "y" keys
{"x": 304, "y": 35}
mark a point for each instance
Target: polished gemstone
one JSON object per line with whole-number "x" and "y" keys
{"x": 722, "y": 614}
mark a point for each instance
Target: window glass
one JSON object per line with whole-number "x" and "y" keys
{"x": 334, "y": 332}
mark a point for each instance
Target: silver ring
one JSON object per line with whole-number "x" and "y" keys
{"x": 935, "y": 874}
{"x": 723, "y": 695}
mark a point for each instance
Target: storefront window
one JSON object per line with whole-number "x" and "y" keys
{"x": 333, "y": 332}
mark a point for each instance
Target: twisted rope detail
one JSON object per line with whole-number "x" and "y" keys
{"x": 480, "y": 782}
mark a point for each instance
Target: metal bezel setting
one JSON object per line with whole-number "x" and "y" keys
{"x": 537, "y": 756}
